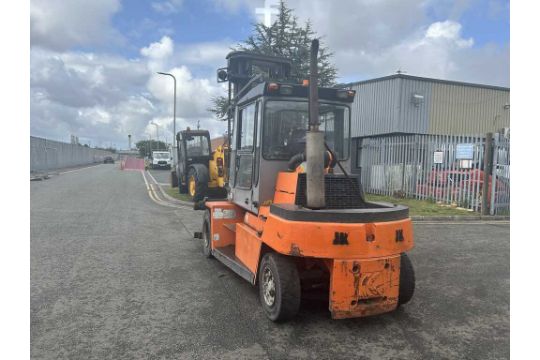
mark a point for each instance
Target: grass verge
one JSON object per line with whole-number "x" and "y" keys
{"x": 416, "y": 207}
{"x": 422, "y": 207}
{"x": 173, "y": 192}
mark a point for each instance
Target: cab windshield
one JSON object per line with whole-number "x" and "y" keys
{"x": 286, "y": 123}
{"x": 161, "y": 155}
{"x": 197, "y": 146}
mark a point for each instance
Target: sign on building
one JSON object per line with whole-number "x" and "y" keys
{"x": 438, "y": 157}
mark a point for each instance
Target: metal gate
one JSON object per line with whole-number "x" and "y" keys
{"x": 447, "y": 169}
{"x": 500, "y": 184}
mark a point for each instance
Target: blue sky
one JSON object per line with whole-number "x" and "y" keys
{"x": 195, "y": 21}
{"x": 93, "y": 63}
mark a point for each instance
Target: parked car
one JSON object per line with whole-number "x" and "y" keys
{"x": 108, "y": 160}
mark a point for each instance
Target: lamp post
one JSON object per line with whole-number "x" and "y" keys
{"x": 174, "y": 115}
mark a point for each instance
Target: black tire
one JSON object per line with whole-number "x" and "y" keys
{"x": 182, "y": 188}
{"x": 287, "y": 291}
{"x": 174, "y": 179}
{"x": 206, "y": 236}
{"x": 201, "y": 184}
{"x": 406, "y": 280}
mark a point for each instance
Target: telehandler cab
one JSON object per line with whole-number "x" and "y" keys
{"x": 290, "y": 222}
{"x": 200, "y": 171}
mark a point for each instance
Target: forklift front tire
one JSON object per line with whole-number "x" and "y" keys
{"x": 406, "y": 280}
{"x": 279, "y": 287}
{"x": 206, "y": 236}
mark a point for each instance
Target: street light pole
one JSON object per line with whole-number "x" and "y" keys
{"x": 174, "y": 115}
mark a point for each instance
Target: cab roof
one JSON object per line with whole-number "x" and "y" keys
{"x": 294, "y": 91}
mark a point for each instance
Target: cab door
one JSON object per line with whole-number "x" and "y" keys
{"x": 245, "y": 144}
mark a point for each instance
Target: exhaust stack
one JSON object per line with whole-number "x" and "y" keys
{"x": 314, "y": 139}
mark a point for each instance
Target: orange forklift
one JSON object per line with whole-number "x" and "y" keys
{"x": 294, "y": 219}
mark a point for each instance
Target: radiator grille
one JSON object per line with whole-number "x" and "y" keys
{"x": 340, "y": 192}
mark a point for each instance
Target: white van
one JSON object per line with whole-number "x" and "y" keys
{"x": 161, "y": 160}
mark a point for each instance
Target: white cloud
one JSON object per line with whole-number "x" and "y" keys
{"x": 60, "y": 24}
{"x": 159, "y": 50}
{"x": 234, "y": 6}
{"x": 382, "y": 36}
{"x": 209, "y": 54}
{"x": 449, "y": 30}
{"x": 167, "y": 7}
{"x": 99, "y": 96}
{"x": 193, "y": 94}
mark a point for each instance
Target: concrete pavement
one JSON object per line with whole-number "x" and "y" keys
{"x": 116, "y": 276}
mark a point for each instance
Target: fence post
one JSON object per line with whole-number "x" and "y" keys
{"x": 488, "y": 164}
{"x": 493, "y": 174}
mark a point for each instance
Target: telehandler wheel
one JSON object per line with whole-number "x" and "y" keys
{"x": 279, "y": 287}
{"x": 207, "y": 251}
{"x": 406, "y": 280}
{"x": 197, "y": 185}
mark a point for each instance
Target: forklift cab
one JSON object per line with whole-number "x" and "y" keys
{"x": 270, "y": 128}
{"x": 193, "y": 147}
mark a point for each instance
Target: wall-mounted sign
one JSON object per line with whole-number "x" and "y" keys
{"x": 465, "y": 164}
{"x": 438, "y": 157}
{"x": 465, "y": 151}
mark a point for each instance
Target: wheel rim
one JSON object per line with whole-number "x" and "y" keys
{"x": 191, "y": 186}
{"x": 269, "y": 287}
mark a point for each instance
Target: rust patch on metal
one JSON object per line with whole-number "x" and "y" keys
{"x": 295, "y": 250}
{"x": 356, "y": 273}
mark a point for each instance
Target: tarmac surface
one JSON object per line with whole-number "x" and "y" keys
{"x": 116, "y": 276}
{"x": 162, "y": 176}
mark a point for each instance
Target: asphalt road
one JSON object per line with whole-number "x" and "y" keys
{"x": 116, "y": 276}
{"x": 161, "y": 175}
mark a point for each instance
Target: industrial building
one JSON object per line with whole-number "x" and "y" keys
{"x": 405, "y": 104}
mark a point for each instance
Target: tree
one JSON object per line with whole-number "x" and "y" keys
{"x": 146, "y": 147}
{"x": 286, "y": 38}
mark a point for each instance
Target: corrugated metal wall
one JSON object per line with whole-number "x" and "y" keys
{"x": 384, "y": 106}
{"x": 458, "y": 109}
{"x": 414, "y": 117}
{"x": 375, "y": 108}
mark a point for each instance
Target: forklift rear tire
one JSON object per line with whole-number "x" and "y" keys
{"x": 198, "y": 189}
{"x": 206, "y": 236}
{"x": 279, "y": 287}
{"x": 406, "y": 280}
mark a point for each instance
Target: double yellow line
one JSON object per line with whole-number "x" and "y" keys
{"x": 153, "y": 191}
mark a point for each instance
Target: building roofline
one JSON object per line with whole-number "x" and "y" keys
{"x": 420, "y": 78}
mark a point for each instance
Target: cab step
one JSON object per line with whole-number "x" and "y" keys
{"x": 227, "y": 256}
